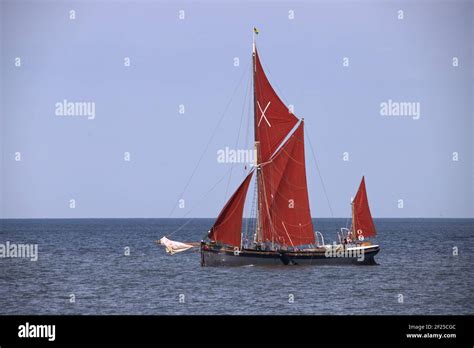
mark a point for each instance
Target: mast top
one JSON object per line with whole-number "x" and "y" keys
{"x": 255, "y": 33}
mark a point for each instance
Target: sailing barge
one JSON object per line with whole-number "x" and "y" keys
{"x": 283, "y": 231}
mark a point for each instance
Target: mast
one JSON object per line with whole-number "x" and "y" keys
{"x": 258, "y": 232}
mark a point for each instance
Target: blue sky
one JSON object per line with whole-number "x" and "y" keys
{"x": 190, "y": 62}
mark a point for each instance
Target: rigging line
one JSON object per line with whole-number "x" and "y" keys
{"x": 347, "y": 219}
{"x": 198, "y": 203}
{"x": 286, "y": 139}
{"x": 235, "y": 208}
{"x": 281, "y": 95}
{"x": 253, "y": 211}
{"x": 249, "y": 211}
{"x": 210, "y": 140}
{"x": 287, "y": 234}
{"x": 292, "y": 225}
{"x": 238, "y": 136}
{"x": 319, "y": 172}
{"x": 238, "y": 202}
{"x": 272, "y": 227}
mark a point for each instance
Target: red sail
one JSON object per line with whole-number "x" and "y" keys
{"x": 273, "y": 120}
{"x": 362, "y": 223}
{"x": 284, "y": 211}
{"x": 228, "y": 227}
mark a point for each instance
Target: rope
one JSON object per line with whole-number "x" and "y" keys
{"x": 272, "y": 228}
{"x": 209, "y": 142}
{"x": 197, "y": 204}
{"x": 232, "y": 211}
{"x": 238, "y": 137}
{"x": 319, "y": 173}
{"x": 252, "y": 212}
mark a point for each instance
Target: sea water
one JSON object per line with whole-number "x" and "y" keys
{"x": 113, "y": 266}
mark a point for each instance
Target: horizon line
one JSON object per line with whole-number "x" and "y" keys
{"x": 207, "y": 218}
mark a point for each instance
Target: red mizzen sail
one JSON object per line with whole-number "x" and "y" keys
{"x": 362, "y": 223}
{"x": 284, "y": 211}
{"x": 273, "y": 120}
{"x": 228, "y": 227}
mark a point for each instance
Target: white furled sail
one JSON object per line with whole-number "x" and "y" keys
{"x": 173, "y": 247}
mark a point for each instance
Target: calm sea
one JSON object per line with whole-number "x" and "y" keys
{"x": 417, "y": 272}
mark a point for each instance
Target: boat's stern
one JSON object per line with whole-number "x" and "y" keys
{"x": 369, "y": 252}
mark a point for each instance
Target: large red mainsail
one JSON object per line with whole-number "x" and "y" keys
{"x": 284, "y": 210}
{"x": 228, "y": 227}
{"x": 273, "y": 120}
{"x": 362, "y": 223}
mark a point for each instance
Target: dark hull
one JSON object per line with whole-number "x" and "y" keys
{"x": 227, "y": 257}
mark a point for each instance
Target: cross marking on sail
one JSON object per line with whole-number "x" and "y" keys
{"x": 263, "y": 114}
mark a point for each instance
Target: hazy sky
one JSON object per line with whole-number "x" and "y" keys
{"x": 190, "y": 62}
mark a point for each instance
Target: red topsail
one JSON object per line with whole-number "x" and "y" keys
{"x": 362, "y": 223}
{"x": 273, "y": 120}
{"x": 228, "y": 227}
